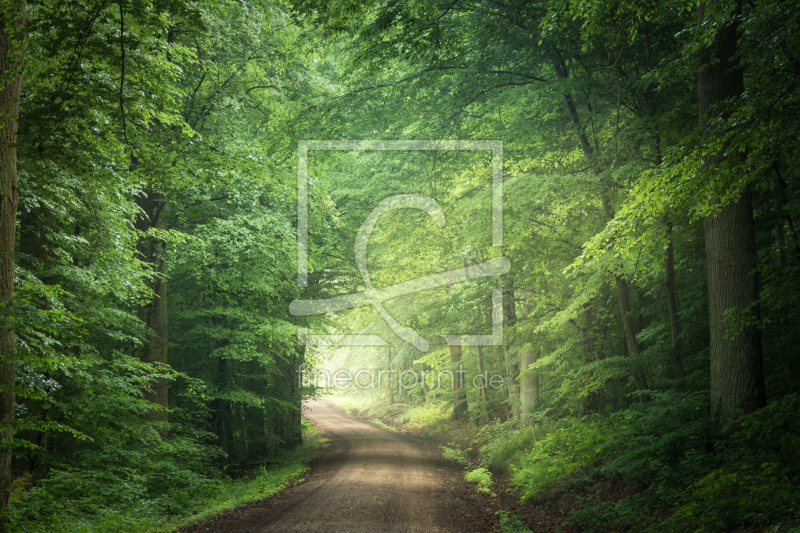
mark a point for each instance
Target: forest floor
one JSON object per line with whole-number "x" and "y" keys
{"x": 367, "y": 479}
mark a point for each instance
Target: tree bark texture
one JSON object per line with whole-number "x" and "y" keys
{"x": 12, "y": 47}
{"x": 737, "y": 374}
{"x": 154, "y": 313}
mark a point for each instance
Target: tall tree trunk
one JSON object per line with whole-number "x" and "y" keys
{"x": 562, "y": 73}
{"x": 529, "y": 385}
{"x": 630, "y": 336}
{"x": 672, "y": 304}
{"x": 12, "y": 47}
{"x": 627, "y": 321}
{"x": 154, "y": 313}
{"x": 529, "y": 382}
{"x": 737, "y": 374}
{"x": 485, "y": 385}
{"x": 588, "y": 346}
{"x": 641, "y": 381}
{"x": 459, "y": 398}
{"x": 512, "y": 367}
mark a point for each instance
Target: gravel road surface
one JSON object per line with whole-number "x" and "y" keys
{"x": 367, "y": 480}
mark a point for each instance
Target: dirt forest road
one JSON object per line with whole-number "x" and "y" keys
{"x": 367, "y": 480}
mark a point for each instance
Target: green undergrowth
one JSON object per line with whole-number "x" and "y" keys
{"x": 661, "y": 467}
{"x": 481, "y": 477}
{"x": 511, "y": 523}
{"x": 456, "y": 454}
{"x": 424, "y": 416}
{"x": 672, "y": 456}
{"x": 72, "y": 501}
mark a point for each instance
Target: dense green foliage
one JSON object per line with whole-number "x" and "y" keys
{"x": 127, "y": 106}
{"x": 156, "y": 252}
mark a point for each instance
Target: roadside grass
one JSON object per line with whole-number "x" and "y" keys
{"x": 38, "y": 512}
{"x": 424, "y": 416}
{"x": 431, "y": 418}
{"x": 267, "y": 482}
{"x": 261, "y": 484}
{"x": 381, "y": 423}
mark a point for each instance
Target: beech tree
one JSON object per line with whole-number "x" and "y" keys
{"x": 12, "y": 49}
{"x": 737, "y": 374}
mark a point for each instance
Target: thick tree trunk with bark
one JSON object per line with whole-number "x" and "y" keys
{"x": 737, "y": 374}
{"x": 12, "y": 47}
{"x": 154, "y": 313}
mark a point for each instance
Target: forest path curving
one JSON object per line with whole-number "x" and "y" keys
{"x": 367, "y": 480}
